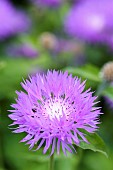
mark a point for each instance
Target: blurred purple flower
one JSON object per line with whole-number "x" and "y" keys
{"x": 12, "y": 21}
{"x": 53, "y": 110}
{"x": 91, "y": 20}
{"x": 23, "y": 50}
{"x": 72, "y": 46}
{"x": 48, "y": 3}
{"x": 108, "y": 101}
{"x": 110, "y": 41}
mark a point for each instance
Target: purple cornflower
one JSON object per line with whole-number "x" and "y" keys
{"x": 53, "y": 111}
{"x": 23, "y": 50}
{"x": 12, "y": 21}
{"x": 91, "y": 20}
{"x": 48, "y": 3}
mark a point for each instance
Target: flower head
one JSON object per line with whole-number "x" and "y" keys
{"x": 53, "y": 110}
{"x": 12, "y": 21}
{"x": 91, "y": 20}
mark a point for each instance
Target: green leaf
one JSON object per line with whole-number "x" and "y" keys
{"x": 96, "y": 144}
{"x": 108, "y": 92}
{"x": 11, "y": 74}
{"x": 88, "y": 72}
{"x": 19, "y": 156}
{"x": 13, "y": 70}
{"x": 2, "y": 65}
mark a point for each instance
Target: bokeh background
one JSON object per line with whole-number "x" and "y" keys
{"x": 37, "y": 35}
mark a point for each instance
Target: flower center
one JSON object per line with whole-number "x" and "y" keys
{"x": 55, "y": 108}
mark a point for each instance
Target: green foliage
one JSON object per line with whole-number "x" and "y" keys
{"x": 12, "y": 71}
{"x": 11, "y": 75}
{"x": 95, "y": 144}
{"x": 108, "y": 92}
{"x": 88, "y": 72}
{"x": 96, "y": 161}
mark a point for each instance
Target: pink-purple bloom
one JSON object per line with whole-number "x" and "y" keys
{"x": 91, "y": 20}
{"x": 108, "y": 101}
{"x": 12, "y": 21}
{"x": 23, "y": 50}
{"x": 47, "y": 3}
{"x": 110, "y": 41}
{"x": 53, "y": 110}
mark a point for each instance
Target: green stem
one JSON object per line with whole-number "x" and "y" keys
{"x": 1, "y": 150}
{"x": 51, "y": 162}
{"x": 80, "y": 158}
{"x": 101, "y": 88}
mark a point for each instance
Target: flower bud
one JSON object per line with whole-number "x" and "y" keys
{"x": 48, "y": 41}
{"x": 107, "y": 72}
